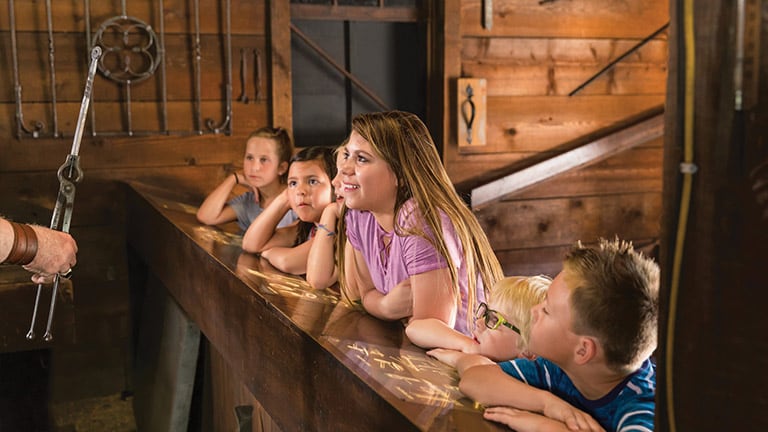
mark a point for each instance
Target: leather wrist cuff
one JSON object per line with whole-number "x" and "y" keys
{"x": 24, "y": 246}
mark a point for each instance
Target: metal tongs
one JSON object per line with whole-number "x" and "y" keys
{"x": 69, "y": 175}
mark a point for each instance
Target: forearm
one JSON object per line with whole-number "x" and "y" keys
{"x": 291, "y": 260}
{"x": 6, "y": 239}
{"x": 321, "y": 262}
{"x": 374, "y": 303}
{"x": 491, "y": 386}
{"x": 264, "y": 226}
{"x": 351, "y": 284}
{"x": 210, "y": 211}
{"x": 321, "y": 268}
{"x": 524, "y": 421}
{"x": 20, "y": 244}
{"x": 469, "y": 361}
{"x": 433, "y": 297}
{"x": 40, "y": 250}
{"x": 432, "y": 333}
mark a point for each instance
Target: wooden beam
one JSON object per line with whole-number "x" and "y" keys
{"x": 354, "y": 13}
{"x": 445, "y": 67}
{"x": 280, "y": 63}
{"x": 581, "y": 156}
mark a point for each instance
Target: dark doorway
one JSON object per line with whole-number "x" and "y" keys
{"x": 388, "y": 58}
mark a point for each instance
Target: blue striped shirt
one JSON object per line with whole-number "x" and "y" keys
{"x": 628, "y": 407}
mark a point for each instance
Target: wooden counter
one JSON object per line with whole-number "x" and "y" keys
{"x": 312, "y": 362}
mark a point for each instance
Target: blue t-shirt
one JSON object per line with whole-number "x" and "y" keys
{"x": 247, "y": 208}
{"x": 628, "y": 407}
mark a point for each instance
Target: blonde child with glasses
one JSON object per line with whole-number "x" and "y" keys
{"x": 501, "y": 326}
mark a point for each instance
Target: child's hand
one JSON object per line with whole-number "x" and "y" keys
{"x": 282, "y": 200}
{"x": 521, "y": 420}
{"x": 558, "y": 409}
{"x": 332, "y": 210}
{"x": 447, "y": 356}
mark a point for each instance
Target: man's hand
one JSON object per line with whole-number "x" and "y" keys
{"x": 56, "y": 253}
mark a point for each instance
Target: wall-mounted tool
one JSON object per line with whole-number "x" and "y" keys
{"x": 243, "y": 76}
{"x": 471, "y": 113}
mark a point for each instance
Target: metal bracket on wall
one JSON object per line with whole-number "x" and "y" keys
{"x": 746, "y": 73}
{"x": 487, "y": 14}
{"x": 257, "y": 67}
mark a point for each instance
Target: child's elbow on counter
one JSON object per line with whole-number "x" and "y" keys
{"x": 317, "y": 282}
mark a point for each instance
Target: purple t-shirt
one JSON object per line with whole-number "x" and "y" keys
{"x": 408, "y": 255}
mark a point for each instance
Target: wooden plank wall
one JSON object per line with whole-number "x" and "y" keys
{"x": 532, "y": 57}
{"x": 28, "y": 184}
{"x": 720, "y": 291}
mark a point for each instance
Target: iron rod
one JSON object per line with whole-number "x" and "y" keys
{"x": 198, "y": 107}
{"x": 163, "y": 84}
{"x": 226, "y": 124}
{"x": 52, "y": 63}
{"x": 336, "y": 66}
{"x": 619, "y": 58}
{"x": 21, "y": 128}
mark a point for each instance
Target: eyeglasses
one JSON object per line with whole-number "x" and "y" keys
{"x": 493, "y": 319}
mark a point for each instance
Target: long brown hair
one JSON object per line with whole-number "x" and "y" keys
{"x": 403, "y": 141}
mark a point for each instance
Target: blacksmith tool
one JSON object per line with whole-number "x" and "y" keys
{"x": 69, "y": 175}
{"x": 469, "y": 118}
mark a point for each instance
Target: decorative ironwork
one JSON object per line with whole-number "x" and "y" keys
{"x": 132, "y": 52}
{"x": 130, "y": 47}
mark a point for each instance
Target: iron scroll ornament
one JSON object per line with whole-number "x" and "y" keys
{"x": 130, "y": 47}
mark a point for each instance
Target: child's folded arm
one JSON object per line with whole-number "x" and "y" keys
{"x": 322, "y": 270}
{"x": 214, "y": 209}
{"x": 257, "y": 237}
{"x": 459, "y": 360}
{"x": 432, "y": 332}
{"x": 394, "y": 305}
{"x": 490, "y": 386}
{"x": 291, "y": 260}
{"x": 523, "y": 421}
{"x": 560, "y": 410}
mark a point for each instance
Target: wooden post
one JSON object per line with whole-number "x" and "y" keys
{"x": 279, "y": 26}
